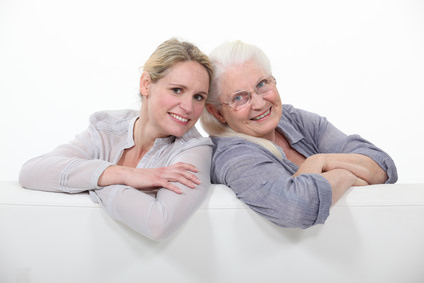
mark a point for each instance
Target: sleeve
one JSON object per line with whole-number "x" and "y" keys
{"x": 159, "y": 217}
{"x": 266, "y": 185}
{"x": 331, "y": 140}
{"x": 70, "y": 168}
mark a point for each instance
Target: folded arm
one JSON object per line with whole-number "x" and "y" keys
{"x": 71, "y": 168}
{"x": 330, "y": 148}
{"x": 360, "y": 165}
{"x": 343, "y": 171}
{"x": 151, "y": 178}
{"x": 265, "y": 183}
{"x": 157, "y": 217}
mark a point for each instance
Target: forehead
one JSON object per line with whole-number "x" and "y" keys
{"x": 242, "y": 77}
{"x": 186, "y": 68}
{"x": 188, "y": 74}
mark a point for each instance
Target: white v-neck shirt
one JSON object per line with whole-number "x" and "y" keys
{"x": 76, "y": 167}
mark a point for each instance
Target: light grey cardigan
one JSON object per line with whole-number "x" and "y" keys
{"x": 77, "y": 166}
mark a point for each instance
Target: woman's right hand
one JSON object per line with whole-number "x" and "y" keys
{"x": 151, "y": 178}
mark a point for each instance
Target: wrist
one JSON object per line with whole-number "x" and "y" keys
{"x": 112, "y": 175}
{"x": 330, "y": 161}
{"x": 321, "y": 159}
{"x": 349, "y": 177}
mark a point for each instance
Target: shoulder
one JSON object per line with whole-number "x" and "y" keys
{"x": 298, "y": 115}
{"x": 113, "y": 120}
{"x": 113, "y": 116}
{"x": 235, "y": 148}
{"x": 224, "y": 143}
{"x": 234, "y": 157}
{"x": 301, "y": 120}
{"x": 192, "y": 138}
{"x": 190, "y": 147}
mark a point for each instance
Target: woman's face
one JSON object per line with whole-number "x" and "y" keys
{"x": 261, "y": 115}
{"x": 175, "y": 102}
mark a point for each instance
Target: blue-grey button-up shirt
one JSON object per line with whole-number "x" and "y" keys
{"x": 265, "y": 183}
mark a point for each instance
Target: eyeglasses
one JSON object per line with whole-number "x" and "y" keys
{"x": 242, "y": 98}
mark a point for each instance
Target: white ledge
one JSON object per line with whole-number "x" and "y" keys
{"x": 383, "y": 195}
{"x": 221, "y": 197}
{"x": 373, "y": 234}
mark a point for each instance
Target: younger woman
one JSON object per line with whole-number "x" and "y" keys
{"x": 148, "y": 169}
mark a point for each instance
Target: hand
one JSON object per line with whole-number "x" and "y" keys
{"x": 312, "y": 165}
{"x": 364, "y": 168}
{"x": 360, "y": 182}
{"x": 151, "y": 178}
{"x": 340, "y": 181}
{"x": 162, "y": 177}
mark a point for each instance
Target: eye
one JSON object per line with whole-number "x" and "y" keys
{"x": 262, "y": 84}
{"x": 177, "y": 90}
{"x": 240, "y": 98}
{"x": 199, "y": 97}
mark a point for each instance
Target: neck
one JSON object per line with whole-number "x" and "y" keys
{"x": 143, "y": 140}
{"x": 273, "y": 137}
{"x": 280, "y": 140}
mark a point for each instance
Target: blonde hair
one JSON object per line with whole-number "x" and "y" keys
{"x": 223, "y": 57}
{"x": 171, "y": 52}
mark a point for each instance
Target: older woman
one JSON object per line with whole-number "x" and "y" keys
{"x": 287, "y": 164}
{"x": 150, "y": 168}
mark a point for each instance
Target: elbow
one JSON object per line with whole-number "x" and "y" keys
{"x": 298, "y": 212}
{"x": 158, "y": 231}
{"x": 22, "y": 180}
{"x": 24, "y": 177}
{"x": 304, "y": 202}
{"x": 30, "y": 174}
{"x": 159, "y": 234}
{"x": 377, "y": 176}
{"x": 299, "y": 217}
{"x": 126, "y": 205}
{"x": 160, "y": 226}
{"x": 391, "y": 173}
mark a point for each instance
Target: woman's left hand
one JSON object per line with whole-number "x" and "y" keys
{"x": 312, "y": 165}
{"x": 360, "y": 165}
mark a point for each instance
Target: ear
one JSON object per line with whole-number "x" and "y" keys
{"x": 145, "y": 82}
{"x": 215, "y": 112}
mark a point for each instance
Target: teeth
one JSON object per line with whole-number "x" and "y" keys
{"x": 178, "y": 117}
{"x": 263, "y": 115}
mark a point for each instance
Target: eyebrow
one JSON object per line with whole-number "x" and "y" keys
{"x": 185, "y": 87}
{"x": 257, "y": 82}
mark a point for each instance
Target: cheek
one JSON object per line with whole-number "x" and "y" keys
{"x": 198, "y": 109}
{"x": 236, "y": 120}
{"x": 275, "y": 99}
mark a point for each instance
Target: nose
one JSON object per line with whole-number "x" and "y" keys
{"x": 186, "y": 104}
{"x": 257, "y": 101}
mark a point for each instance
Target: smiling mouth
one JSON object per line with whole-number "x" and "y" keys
{"x": 179, "y": 118}
{"x": 262, "y": 115}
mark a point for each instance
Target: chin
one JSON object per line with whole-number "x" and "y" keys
{"x": 179, "y": 134}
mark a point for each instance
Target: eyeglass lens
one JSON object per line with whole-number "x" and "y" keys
{"x": 243, "y": 97}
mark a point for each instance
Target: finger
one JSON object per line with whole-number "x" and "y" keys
{"x": 172, "y": 187}
{"x": 186, "y": 166}
{"x": 360, "y": 182}
{"x": 191, "y": 177}
{"x": 186, "y": 182}
{"x": 185, "y": 177}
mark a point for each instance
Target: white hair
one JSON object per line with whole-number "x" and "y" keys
{"x": 230, "y": 54}
{"x": 223, "y": 57}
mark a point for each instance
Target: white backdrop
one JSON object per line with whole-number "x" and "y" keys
{"x": 359, "y": 63}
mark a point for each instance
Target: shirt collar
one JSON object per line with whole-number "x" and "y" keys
{"x": 130, "y": 135}
{"x": 290, "y": 132}
{"x": 190, "y": 134}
